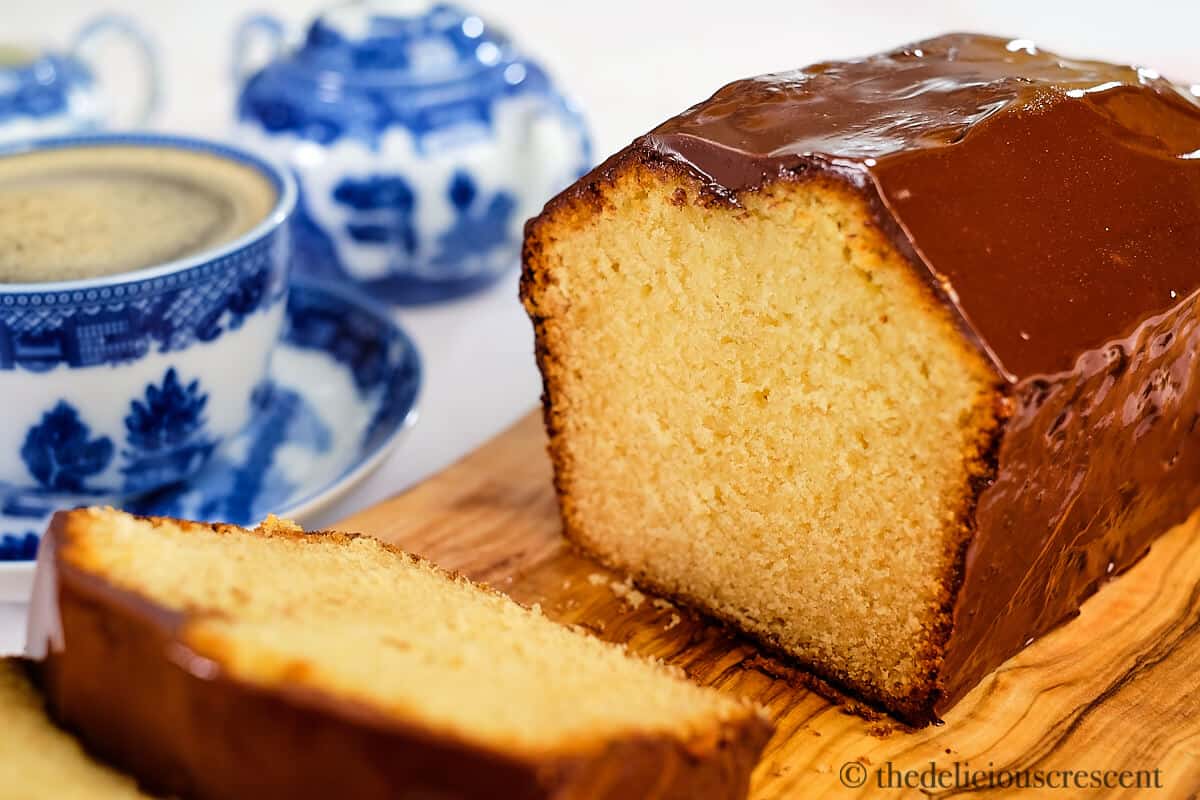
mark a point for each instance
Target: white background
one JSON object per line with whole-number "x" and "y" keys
{"x": 630, "y": 64}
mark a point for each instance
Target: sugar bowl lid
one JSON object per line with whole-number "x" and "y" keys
{"x": 404, "y": 41}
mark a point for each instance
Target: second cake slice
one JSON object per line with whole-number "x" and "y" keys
{"x": 212, "y": 661}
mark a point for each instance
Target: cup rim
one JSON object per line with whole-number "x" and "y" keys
{"x": 280, "y": 177}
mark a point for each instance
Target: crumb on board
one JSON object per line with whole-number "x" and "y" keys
{"x": 626, "y": 591}
{"x": 885, "y": 727}
{"x": 662, "y": 604}
{"x": 596, "y": 579}
{"x": 672, "y": 623}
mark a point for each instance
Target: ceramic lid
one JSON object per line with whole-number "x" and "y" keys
{"x": 367, "y": 67}
{"x": 404, "y": 41}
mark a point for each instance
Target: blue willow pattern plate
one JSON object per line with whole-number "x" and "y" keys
{"x": 343, "y": 387}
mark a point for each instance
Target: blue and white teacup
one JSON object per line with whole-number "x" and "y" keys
{"x": 422, "y": 138}
{"x": 53, "y": 93}
{"x": 121, "y": 384}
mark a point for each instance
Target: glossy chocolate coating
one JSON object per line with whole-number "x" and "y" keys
{"x": 117, "y": 670}
{"x": 1058, "y": 199}
{"x": 1094, "y": 464}
{"x": 1055, "y": 206}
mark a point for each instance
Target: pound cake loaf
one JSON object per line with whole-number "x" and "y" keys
{"x": 39, "y": 760}
{"x": 887, "y": 362}
{"x": 216, "y": 662}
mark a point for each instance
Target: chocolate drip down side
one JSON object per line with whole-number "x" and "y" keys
{"x": 1095, "y": 463}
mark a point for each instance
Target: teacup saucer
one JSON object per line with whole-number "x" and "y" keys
{"x": 342, "y": 389}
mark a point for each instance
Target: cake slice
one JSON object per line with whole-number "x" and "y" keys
{"x": 217, "y": 662}
{"x": 889, "y": 362}
{"x": 39, "y": 760}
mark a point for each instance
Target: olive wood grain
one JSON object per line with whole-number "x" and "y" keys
{"x": 1118, "y": 688}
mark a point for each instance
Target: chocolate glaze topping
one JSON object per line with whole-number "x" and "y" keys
{"x": 1059, "y": 200}
{"x": 1054, "y": 205}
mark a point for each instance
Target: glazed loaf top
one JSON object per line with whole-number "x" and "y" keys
{"x": 1054, "y": 201}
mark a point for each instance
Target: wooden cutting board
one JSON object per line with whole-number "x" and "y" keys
{"x": 1116, "y": 689}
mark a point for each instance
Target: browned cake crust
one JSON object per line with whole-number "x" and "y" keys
{"x": 117, "y": 671}
{"x": 1094, "y": 443}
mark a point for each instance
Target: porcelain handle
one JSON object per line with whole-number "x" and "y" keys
{"x": 260, "y": 27}
{"x": 124, "y": 28}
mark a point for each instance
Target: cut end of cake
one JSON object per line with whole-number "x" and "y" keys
{"x": 347, "y": 628}
{"x": 757, "y": 406}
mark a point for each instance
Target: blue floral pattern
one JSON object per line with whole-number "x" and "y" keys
{"x": 238, "y": 489}
{"x": 60, "y": 453}
{"x": 123, "y": 322}
{"x": 286, "y": 418}
{"x": 385, "y": 366}
{"x": 355, "y": 340}
{"x": 395, "y": 403}
{"x": 475, "y": 247}
{"x": 384, "y": 206}
{"x": 251, "y": 474}
{"x": 42, "y": 87}
{"x": 481, "y": 225}
{"x": 18, "y": 546}
{"x": 166, "y": 440}
{"x": 446, "y": 82}
{"x": 413, "y": 94}
{"x": 385, "y": 45}
{"x": 273, "y": 100}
